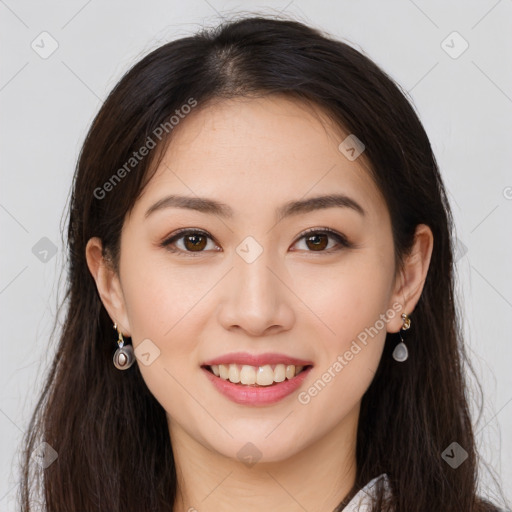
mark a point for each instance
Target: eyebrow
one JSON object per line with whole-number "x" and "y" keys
{"x": 213, "y": 207}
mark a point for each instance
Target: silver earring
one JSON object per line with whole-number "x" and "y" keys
{"x": 401, "y": 353}
{"x": 124, "y": 356}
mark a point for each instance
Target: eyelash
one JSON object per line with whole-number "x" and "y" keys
{"x": 341, "y": 239}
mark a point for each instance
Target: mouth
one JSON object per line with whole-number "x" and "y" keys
{"x": 256, "y": 376}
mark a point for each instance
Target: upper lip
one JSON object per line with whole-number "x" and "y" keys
{"x": 256, "y": 359}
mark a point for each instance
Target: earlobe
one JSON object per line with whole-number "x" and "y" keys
{"x": 411, "y": 279}
{"x": 107, "y": 284}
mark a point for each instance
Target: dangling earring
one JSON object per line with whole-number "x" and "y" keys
{"x": 124, "y": 356}
{"x": 401, "y": 353}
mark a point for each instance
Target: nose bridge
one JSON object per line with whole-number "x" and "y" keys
{"x": 257, "y": 287}
{"x": 257, "y": 299}
{"x": 252, "y": 262}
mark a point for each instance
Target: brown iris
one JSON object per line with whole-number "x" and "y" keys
{"x": 319, "y": 241}
{"x": 197, "y": 242}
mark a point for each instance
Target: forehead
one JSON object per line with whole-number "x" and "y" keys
{"x": 273, "y": 147}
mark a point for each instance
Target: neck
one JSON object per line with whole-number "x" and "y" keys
{"x": 315, "y": 478}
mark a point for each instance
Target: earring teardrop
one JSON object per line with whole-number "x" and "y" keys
{"x": 401, "y": 353}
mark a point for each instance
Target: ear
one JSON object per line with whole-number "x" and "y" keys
{"x": 108, "y": 284}
{"x": 410, "y": 280}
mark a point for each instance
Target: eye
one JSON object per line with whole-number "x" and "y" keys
{"x": 317, "y": 240}
{"x": 196, "y": 241}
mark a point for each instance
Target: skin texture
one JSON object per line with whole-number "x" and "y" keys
{"x": 255, "y": 155}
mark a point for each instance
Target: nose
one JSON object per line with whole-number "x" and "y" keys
{"x": 256, "y": 300}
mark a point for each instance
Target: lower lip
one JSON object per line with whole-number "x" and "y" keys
{"x": 263, "y": 395}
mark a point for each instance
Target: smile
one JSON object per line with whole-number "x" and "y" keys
{"x": 255, "y": 394}
{"x": 266, "y": 375}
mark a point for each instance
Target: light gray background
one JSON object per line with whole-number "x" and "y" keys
{"x": 47, "y": 105}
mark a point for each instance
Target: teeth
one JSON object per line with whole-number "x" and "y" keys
{"x": 223, "y": 370}
{"x": 279, "y": 373}
{"x": 233, "y": 374}
{"x": 251, "y": 375}
{"x": 247, "y": 374}
{"x": 265, "y": 376}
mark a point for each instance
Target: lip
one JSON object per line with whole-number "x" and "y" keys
{"x": 257, "y": 359}
{"x": 254, "y": 396}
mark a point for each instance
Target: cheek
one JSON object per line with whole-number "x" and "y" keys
{"x": 347, "y": 299}
{"x": 352, "y": 304}
{"x": 348, "y": 359}
{"x": 160, "y": 304}
{"x": 160, "y": 297}
{"x": 165, "y": 304}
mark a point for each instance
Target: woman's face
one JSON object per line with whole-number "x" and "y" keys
{"x": 246, "y": 279}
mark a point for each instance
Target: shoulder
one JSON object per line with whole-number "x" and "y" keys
{"x": 484, "y": 505}
{"x": 362, "y": 501}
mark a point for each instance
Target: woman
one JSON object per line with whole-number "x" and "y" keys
{"x": 258, "y": 214}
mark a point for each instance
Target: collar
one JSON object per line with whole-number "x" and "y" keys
{"x": 361, "y": 502}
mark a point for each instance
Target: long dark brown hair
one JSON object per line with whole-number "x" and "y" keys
{"x": 110, "y": 433}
